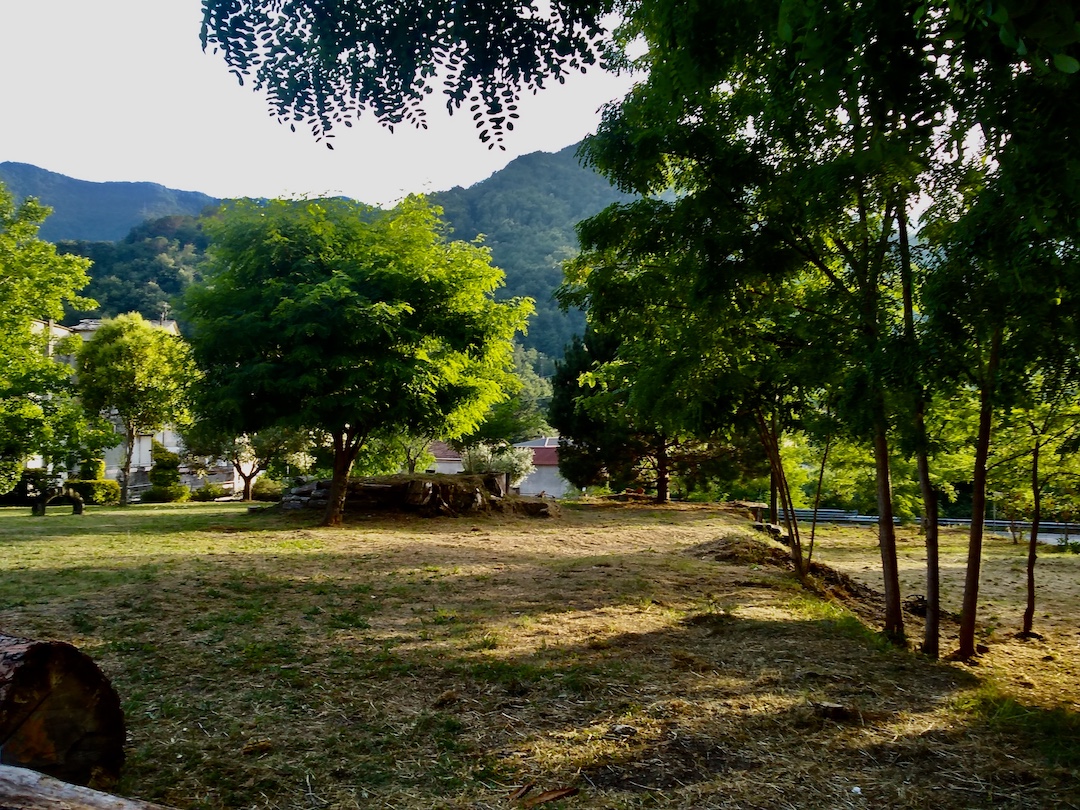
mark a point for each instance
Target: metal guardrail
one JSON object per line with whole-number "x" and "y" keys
{"x": 991, "y": 525}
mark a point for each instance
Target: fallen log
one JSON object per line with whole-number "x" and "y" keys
{"x": 58, "y": 713}
{"x": 22, "y": 789}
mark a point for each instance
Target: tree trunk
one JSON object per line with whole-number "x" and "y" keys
{"x": 58, "y": 713}
{"x": 247, "y": 479}
{"x": 774, "y": 513}
{"x": 663, "y": 471}
{"x": 22, "y": 789}
{"x": 772, "y": 449}
{"x": 932, "y": 632}
{"x": 817, "y": 500}
{"x": 1033, "y": 541}
{"x": 346, "y": 448}
{"x": 125, "y": 471}
{"x": 890, "y": 569}
{"x": 978, "y": 503}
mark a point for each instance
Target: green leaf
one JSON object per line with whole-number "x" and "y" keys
{"x": 1066, "y": 63}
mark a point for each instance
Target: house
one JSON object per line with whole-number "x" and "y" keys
{"x": 545, "y": 479}
{"x": 447, "y": 459}
{"x": 141, "y": 461}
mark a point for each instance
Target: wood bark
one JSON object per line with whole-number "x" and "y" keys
{"x": 932, "y": 632}
{"x": 970, "y": 607}
{"x": 58, "y": 713}
{"x": 22, "y": 789}
{"x": 890, "y": 569}
{"x": 1033, "y": 541}
{"x": 663, "y": 470}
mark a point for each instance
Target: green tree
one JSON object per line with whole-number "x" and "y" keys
{"x": 250, "y": 454}
{"x": 522, "y": 415}
{"x": 330, "y": 316}
{"x": 36, "y": 412}
{"x": 145, "y": 272}
{"x": 139, "y": 376}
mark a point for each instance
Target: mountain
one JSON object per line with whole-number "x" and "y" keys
{"x": 526, "y": 213}
{"x": 97, "y": 212}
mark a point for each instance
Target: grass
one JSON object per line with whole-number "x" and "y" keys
{"x": 651, "y": 657}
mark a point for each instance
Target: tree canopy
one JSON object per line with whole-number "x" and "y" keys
{"x": 323, "y": 64}
{"x": 35, "y": 285}
{"x": 331, "y": 316}
{"x": 138, "y": 374}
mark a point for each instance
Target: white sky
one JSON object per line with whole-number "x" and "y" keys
{"x": 121, "y": 90}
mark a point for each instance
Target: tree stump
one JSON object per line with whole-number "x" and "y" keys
{"x": 58, "y": 713}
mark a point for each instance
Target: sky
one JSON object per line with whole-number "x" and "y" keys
{"x": 121, "y": 90}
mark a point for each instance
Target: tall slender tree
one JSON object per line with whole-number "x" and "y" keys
{"x": 137, "y": 374}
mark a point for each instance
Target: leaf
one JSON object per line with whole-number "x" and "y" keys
{"x": 1066, "y": 63}
{"x": 521, "y": 791}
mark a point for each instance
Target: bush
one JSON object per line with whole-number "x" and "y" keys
{"x": 484, "y": 458}
{"x": 209, "y": 492}
{"x": 97, "y": 491}
{"x": 31, "y": 484}
{"x": 174, "y": 493}
{"x": 266, "y": 489}
{"x": 91, "y": 469}
{"x": 166, "y": 469}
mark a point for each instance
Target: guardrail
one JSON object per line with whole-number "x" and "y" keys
{"x": 991, "y": 525}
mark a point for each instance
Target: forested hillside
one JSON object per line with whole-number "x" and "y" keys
{"x": 527, "y": 213}
{"x": 97, "y": 212}
{"x": 146, "y": 245}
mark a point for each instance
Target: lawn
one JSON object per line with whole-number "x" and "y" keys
{"x": 649, "y": 657}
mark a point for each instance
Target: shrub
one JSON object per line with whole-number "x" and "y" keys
{"x": 209, "y": 492}
{"x": 31, "y": 484}
{"x": 485, "y": 458}
{"x": 173, "y": 493}
{"x": 266, "y": 489}
{"x": 98, "y": 491}
{"x": 91, "y": 469}
{"x": 166, "y": 470}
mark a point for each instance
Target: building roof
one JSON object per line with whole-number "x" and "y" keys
{"x": 543, "y": 441}
{"x": 444, "y": 452}
{"x": 545, "y": 456}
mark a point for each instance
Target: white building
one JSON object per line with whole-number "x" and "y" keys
{"x": 545, "y": 479}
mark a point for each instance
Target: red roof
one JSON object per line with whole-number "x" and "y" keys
{"x": 444, "y": 452}
{"x": 545, "y": 456}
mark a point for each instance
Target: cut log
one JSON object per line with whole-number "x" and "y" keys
{"x": 22, "y": 789}
{"x": 58, "y": 713}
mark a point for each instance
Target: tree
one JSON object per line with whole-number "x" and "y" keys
{"x": 138, "y": 375}
{"x": 600, "y": 446}
{"x": 36, "y": 413}
{"x": 482, "y": 458}
{"x": 250, "y": 454}
{"x": 334, "y": 317}
{"x": 146, "y": 271}
{"x": 325, "y": 64}
{"x": 522, "y": 415}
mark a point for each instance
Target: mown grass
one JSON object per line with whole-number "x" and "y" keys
{"x": 265, "y": 662}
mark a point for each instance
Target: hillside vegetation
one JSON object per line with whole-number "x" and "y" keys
{"x": 97, "y": 212}
{"x": 146, "y": 244}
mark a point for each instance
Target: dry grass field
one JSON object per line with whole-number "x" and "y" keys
{"x": 646, "y": 657}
